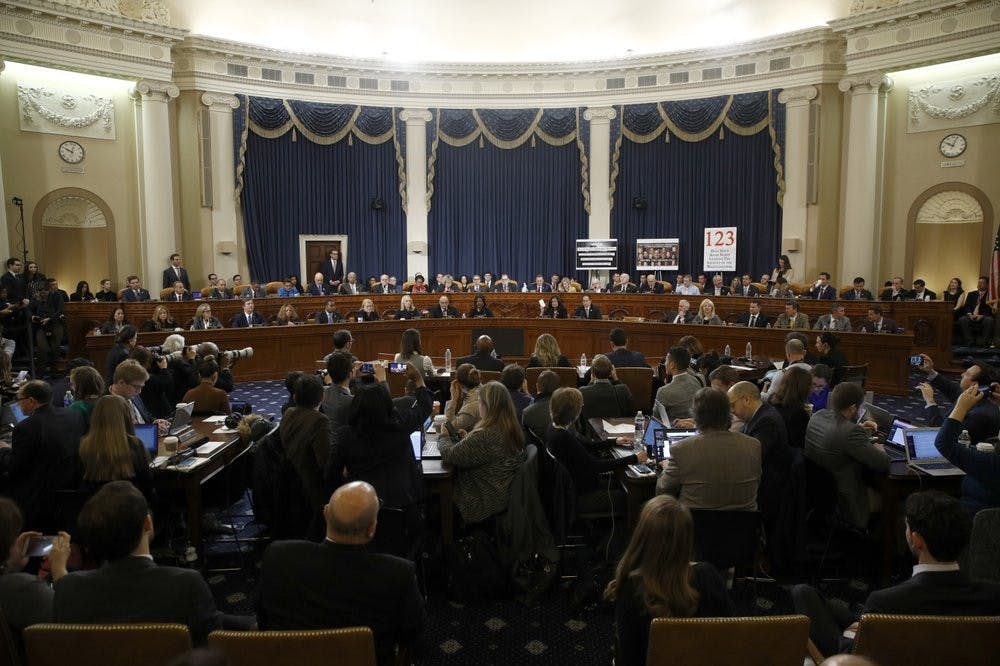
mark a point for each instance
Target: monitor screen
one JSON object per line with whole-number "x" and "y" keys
{"x": 417, "y": 440}
{"x": 921, "y": 443}
{"x": 649, "y": 435}
{"x": 18, "y": 413}
{"x": 148, "y": 434}
{"x": 896, "y": 433}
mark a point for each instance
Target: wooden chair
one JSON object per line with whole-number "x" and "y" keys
{"x": 729, "y": 641}
{"x": 928, "y": 639}
{"x": 352, "y": 646}
{"x": 983, "y": 558}
{"x": 640, "y": 383}
{"x": 618, "y": 313}
{"x": 151, "y": 644}
{"x": 407, "y": 286}
{"x": 271, "y": 288}
{"x": 489, "y": 376}
{"x": 851, "y": 373}
{"x": 165, "y": 293}
{"x": 567, "y": 376}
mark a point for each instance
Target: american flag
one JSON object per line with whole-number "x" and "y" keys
{"x": 995, "y": 269}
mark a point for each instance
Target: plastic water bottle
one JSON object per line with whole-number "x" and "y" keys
{"x": 640, "y": 430}
{"x": 749, "y": 350}
{"x": 728, "y": 351}
{"x": 447, "y": 360}
{"x": 68, "y": 399}
{"x": 964, "y": 439}
{"x": 524, "y": 287}
{"x": 583, "y": 360}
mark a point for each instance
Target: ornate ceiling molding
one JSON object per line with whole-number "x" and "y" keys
{"x": 950, "y": 207}
{"x": 65, "y": 111}
{"x": 974, "y": 100}
{"x": 74, "y": 212}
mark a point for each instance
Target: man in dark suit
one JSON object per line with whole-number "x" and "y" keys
{"x": 130, "y": 587}
{"x": 304, "y": 586}
{"x": 253, "y": 291}
{"x": 975, "y": 311}
{"x": 179, "y": 294}
{"x": 747, "y": 288}
{"x": 248, "y": 318}
{"x": 921, "y": 292}
{"x": 175, "y": 273}
{"x": 753, "y": 316}
{"x": 540, "y": 287}
{"x": 937, "y": 530}
{"x": 983, "y": 420}
{"x": 876, "y": 323}
{"x": 602, "y": 397}
{"x": 484, "y": 358}
{"x": 822, "y": 290}
{"x": 134, "y": 293}
{"x": 835, "y": 442}
{"x": 624, "y": 286}
{"x": 329, "y": 314}
{"x": 620, "y": 355}
{"x": 333, "y": 271}
{"x": 536, "y": 417}
{"x": 717, "y": 288}
{"x": 42, "y": 455}
{"x": 337, "y": 395}
{"x": 221, "y": 291}
{"x": 587, "y": 310}
{"x": 351, "y": 286}
{"x": 650, "y": 285}
{"x": 897, "y": 292}
{"x": 717, "y": 469}
{"x": 384, "y": 286}
{"x": 13, "y": 281}
{"x": 443, "y": 310}
{"x": 505, "y": 285}
{"x": 682, "y": 315}
{"x": 859, "y": 293}
{"x": 318, "y": 286}
{"x": 305, "y": 438}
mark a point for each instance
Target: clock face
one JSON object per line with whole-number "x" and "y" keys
{"x": 953, "y": 145}
{"x": 71, "y": 152}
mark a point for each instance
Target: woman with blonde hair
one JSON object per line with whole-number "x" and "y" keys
{"x": 485, "y": 460}
{"x": 87, "y": 386}
{"x": 367, "y": 311}
{"x": 161, "y": 321}
{"x": 410, "y": 351}
{"x": 706, "y": 314}
{"x": 547, "y": 353}
{"x": 287, "y": 316}
{"x": 656, "y": 578}
{"x": 203, "y": 319}
{"x": 110, "y": 451}
{"x": 406, "y": 308}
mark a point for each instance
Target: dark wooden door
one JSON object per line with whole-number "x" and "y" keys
{"x": 316, "y": 253}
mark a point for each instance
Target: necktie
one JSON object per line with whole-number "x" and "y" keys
{"x": 586, "y": 313}
{"x": 249, "y": 323}
{"x": 753, "y": 320}
{"x": 136, "y": 292}
{"x": 178, "y": 272}
{"x": 679, "y": 319}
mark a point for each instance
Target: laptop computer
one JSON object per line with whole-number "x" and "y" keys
{"x": 923, "y": 456}
{"x": 180, "y": 425}
{"x": 12, "y": 414}
{"x": 417, "y": 442}
{"x": 149, "y": 435}
{"x": 881, "y": 417}
{"x": 429, "y": 447}
{"x": 895, "y": 440}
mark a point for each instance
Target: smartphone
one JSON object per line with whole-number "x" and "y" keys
{"x": 367, "y": 368}
{"x": 39, "y": 546}
{"x": 986, "y": 390}
{"x": 916, "y": 360}
{"x": 397, "y": 368}
{"x": 451, "y": 431}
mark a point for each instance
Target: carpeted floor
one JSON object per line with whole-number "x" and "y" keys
{"x": 556, "y": 631}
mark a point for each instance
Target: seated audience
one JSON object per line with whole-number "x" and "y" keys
{"x": 921, "y": 292}
{"x": 203, "y": 319}
{"x": 110, "y": 451}
{"x": 411, "y": 351}
{"x": 318, "y": 286}
{"x": 479, "y": 309}
{"x": 82, "y": 293}
{"x": 134, "y": 293}
{"x": 447, "y": 285}
{"x": 620, "y": 355}
{"x": 220, "y": 291}
{"x": 982, "y": 420}
{"x": 106, "y": 294}
{"x": 827, "y": 345}
{"x": 981, "y": 483}
{"x": 706, "y": 314}
{"x": 975, "y": 311}
{"x": 835, "y": 321}
{"x": 822, "y": 289}
{"x": 895, "y": 292}
{"x": 207, "y": 399}
{"x": 419, "y": 285}
{"x": 406, "y": 308}
{"x": 485, "y": 357}
{"x": 130, "y": 587}
{"x": 789, "y": 399}
{"x": 536, "y": 417}
{"x": 747, "y": 288}
{"x": 716, "y": 288}
{"x": 253, "y": 291}
{"x": 547, "y": 353}
{"x": 795, "y": 355}
{"x": 858, "y": 292}
{"x": 587, "y": 309}
{"x": 782, "y": 290}
{"x": 288, "y": 289}
{"x": 350, "y": 286}
{"x": 87, "y": 386}
{"x": 115, "y": 322}
{"x": 673, "y": 400}
{"x": 303, "y": 585}
{"x": 936, "y": 532}
{"x": 717, "y": 469}
{"x": 835, "y": 442}
{"x": 486, "y": 458}
{"x": 444, "y": 309}
{"x": 604, "y": 397}
{"x": 514, "y": 381}
{"x": 463, "y": 410}
{"x": 656, "y": 578}
{"x": 305, "y": 437}
{"x": 953, "y": 293}
{"x": 876, "y": 323}
{"x": 822, "y": 383}
{"x": 791, "y": 317}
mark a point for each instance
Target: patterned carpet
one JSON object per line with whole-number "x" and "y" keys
{"x": 559, "y": 630}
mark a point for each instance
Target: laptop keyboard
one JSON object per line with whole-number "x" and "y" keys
{"x": 940, "y": 465}
{"x": 895, "y": 454}
{"x": 431, "y": 450}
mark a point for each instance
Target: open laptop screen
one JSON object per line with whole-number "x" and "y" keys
{"x": 649, "y": 435}
{"x": 896, "y": 432}
{"x": 182, "y": 417}
{"x": 417, "y": 441}
{"x": 920, "y": 444}
{"x": 148, "y": 434}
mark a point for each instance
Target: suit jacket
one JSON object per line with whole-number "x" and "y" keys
{"x": 629, "y": 289}
{"x": 854, "y": 296}
{"x": 801, "y": 320}
{"x": 331, "y": 272}
{"x": 317, "y": 290}
{"x": 604, "y": 399}
{"x": 971, "y": 300}
{"x": 17, "y": 288}
{"x": 545, "y": 289}
{"x": 901, "y": 295}
{"x": 135, "y": 589}
{"x": 221, "y": 294}
{"x": 622, "y": 357}
{"x": 387, "y": 289}
{"x": 760, "y": 322}
{"x": 536, "y": 416}
{"x": 437, "y": 313}
{"x": 324, "y": 317}
{"x": 510, "y": 287}
{"x": 580, "y": 313}
{"x": 710, "y": 290}
{"x": 346, "y": 288}
{"x": 482, "y": 362}
{"x": 868, "y": 326}
{"x": 751, "y": 291}
{"x": 130, "y": 296}
{"x": 305, "y": 437}
{"x": 827, "y": 293}
{"x": 304, "y": 585}
{"x": 657, "y": 288}
{"x": 672, "y": 316}
{"x": 240, "y": 320}
{"x": 43, "y": 457}
{"x": 673, "y": 400}
{"x": 842, "y": 448}
{"x": 768, "y": 428}
{"x": 826, "y": 323}
{"x": 186, "y": 296}
{"x": 928, "y": 295}
{"x": 169, "y": 277}
{"x": 335, "y": 404}
{"x": 580, "y": 460}
{"x": 717, "y": 470}
{"x": 249, "y": 293}
{"x": 937, "y": 593}
{"x": 982, "y": 421}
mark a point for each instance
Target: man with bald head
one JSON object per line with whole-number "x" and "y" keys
{"x": 340, "y": 582}
{"x": 484, "y": 358}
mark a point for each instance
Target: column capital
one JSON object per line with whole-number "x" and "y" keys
{"x": 415, "y": 116}
{"x": 799, "y": 95}
{"x": 158, "y": 91}
{"x": 865, "y": 83}
{"x": 220, "y": 101}
{"x": 600, "y": 113}
{"x": 3, "y": 65}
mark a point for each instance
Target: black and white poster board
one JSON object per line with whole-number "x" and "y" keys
{"x": 596, "y": 254}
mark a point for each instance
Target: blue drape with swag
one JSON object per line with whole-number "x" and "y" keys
{"x": 507, "y": 191}
{"x": 310, "y": 168}
{"x": 700, "y": 163}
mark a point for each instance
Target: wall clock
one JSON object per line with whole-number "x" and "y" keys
{"x": 71, "y": 152}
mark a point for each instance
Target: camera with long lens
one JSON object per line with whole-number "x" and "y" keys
{"x": 238, "y": 354}
{"x": 157, "y": 352}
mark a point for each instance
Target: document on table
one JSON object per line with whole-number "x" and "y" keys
{"x": 218, "y": 418}
{"x": 618, "y": 428}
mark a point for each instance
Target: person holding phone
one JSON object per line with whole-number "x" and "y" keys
{"x": 27, "y": 599}
{"x": 982, "y": 420}
{"x": 981, "y": 483}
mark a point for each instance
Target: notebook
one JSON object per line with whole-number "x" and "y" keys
{"x": 922, "y": 455}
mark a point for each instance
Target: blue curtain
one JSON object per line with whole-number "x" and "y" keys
{"x": 516, "y": 211}
{"x": 294, "y": 187}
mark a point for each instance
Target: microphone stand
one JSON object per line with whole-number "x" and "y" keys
{"x": 17, "y": 201}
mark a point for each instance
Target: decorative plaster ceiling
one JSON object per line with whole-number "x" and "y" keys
{"x": 404, "y": 31}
